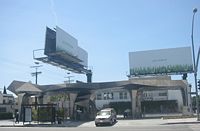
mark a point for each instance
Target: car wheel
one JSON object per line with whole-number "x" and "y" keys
{"x": 111, "y": 122}
{"x": 115, "y": 120}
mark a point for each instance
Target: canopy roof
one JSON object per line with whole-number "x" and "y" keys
{"x": 27, "y": 87}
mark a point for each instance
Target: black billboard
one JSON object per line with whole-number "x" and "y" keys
{"x": 50, "y": 41}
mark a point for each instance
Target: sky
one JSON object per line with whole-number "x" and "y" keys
{"x": 107, "y": 29}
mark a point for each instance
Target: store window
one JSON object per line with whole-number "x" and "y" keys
{"x": 163, "y": 94}
{"x": 99, "y": 97}
{"x": 2, "y": 109}
{"x": 108, "y": 96}
{"x": 123, "y": 95}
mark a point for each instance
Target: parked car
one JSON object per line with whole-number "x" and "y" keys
{"x": 106, "y": 116}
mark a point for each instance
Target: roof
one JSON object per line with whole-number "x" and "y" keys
{"x": 28, "y": 88}
{"x": 160, "y": 83}
{"x": 15, "y": 85}
{"x": 19, "y": 86}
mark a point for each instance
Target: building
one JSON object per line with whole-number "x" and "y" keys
{"x": 6, "y": 102}
{"x": 141, "y": 96}
{"x": 107, "y": 96}
{"x": 163, "y": 96}
{"x": 118, "y": 98}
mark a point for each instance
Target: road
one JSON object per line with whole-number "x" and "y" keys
{"x": 121, "y": 125}
{"x": 137, "y": 128}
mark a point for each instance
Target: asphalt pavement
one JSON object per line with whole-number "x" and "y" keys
{"x": 119, "y": 123}
{"x": 187, "y": 124}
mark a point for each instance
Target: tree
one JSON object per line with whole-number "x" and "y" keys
{"x": 4, "y": 90}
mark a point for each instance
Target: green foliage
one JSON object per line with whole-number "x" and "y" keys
{"x": 5, "y": 115}
{"x": 45, "y": 114}
{"x": 60, "y": 112}
{"x": 59, "y": 97}
{"x": 161, "y": 69}
{"x": 34, "y": 114}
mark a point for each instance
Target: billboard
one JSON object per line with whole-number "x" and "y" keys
{"x": 50, "y": 41}
{"x": 65, "y": 42}
{"x": 83, "y": 56}
{"x": 163, "y": 61}
{"x": 63, "y": 49}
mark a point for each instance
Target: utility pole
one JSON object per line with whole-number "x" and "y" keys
{"x": 69, "y": 78}
{"x": 68, "y": 82}
{"x": 36, "y": 73}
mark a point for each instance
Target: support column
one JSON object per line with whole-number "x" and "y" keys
{"x": 72, "y": 98}
{"x": 20, "y": 102}
{"x": 89, "y": 76}
{"x": 133, "y": 100}
{"x": 136, "y": 104}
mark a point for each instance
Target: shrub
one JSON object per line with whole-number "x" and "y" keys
{"x": 6, "y": 115}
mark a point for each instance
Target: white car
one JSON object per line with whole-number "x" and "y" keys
{"x": 106, "y": 116}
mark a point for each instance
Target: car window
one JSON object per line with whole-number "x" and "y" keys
{"x": 113, "y": 112}
{"x": 104, "y": 113}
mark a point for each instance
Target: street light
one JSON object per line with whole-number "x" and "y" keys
{"x": 195, "y": 68}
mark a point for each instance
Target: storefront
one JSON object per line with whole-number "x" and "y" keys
{"x": 155, "y": 95}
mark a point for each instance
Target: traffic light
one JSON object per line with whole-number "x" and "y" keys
{"x": 184, "y": 76}
{"x": 198, "y": 84}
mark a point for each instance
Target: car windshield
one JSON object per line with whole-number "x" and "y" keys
{"x": 103, "y": 113}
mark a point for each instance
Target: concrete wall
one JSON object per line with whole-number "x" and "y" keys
{"x": 176, "y": 95}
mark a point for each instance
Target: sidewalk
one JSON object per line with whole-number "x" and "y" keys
{"x": 9, "y": 123}
{"x": 182, "y": 121}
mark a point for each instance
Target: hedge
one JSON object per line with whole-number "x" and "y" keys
{"x": 6, "y": 115}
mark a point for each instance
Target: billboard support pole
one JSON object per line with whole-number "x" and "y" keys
{"x": 89, "y": 76}
{"x": 195, "y": 69}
